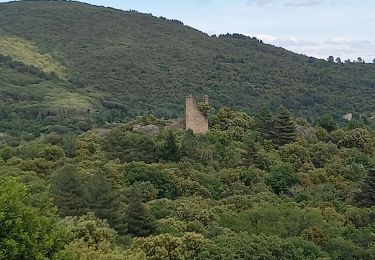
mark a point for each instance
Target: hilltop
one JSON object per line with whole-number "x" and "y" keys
{"x": 119, "y": 64}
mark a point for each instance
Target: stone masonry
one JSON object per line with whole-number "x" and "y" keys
{"x": 194, "y": 119}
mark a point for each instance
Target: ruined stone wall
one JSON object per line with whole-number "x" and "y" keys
{"x": 194, "y": 119}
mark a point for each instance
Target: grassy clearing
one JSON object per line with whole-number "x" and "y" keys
{"x": 26, "y": 52}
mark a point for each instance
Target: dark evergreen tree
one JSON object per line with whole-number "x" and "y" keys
{"x": 285, "y": 130}
{"x": 264, "y": 123}
{"x": 366, "y": 197}
{"x": 170, "y": 151}
{"x": 138, "y": 219}
{"x": 189, "y": 145}
{"x": 103, "y": 200}
{"x": 68, "y": 192}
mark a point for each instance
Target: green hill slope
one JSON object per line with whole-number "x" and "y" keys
{"x": 136, "y": 63}
{"x": 32, "y": 100}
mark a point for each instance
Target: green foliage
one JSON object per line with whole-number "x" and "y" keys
{"x": 92, "y": 239}
{"x": 27, "y": 232}
{"x": 285, "y": 130}
{"x": 104, "y": 201}
{"x": 130, "y": 146}
{"x": 51, "y": 85}
{"x": 204, "y": 108}
{"x": 366, "y": 197}
{"x": 264, "y": 123}
{"x": 296, "y": 154}
{"x": 282, "y": 177}
{"x": 189, "y": 145}
{"x": 214, "y": 201}
{"x": 139, "y": 221}
{"x": 70, "y": 144}
{"x": 246, "y": 246}
{"x": 166, "y": 246}
{"x": 211, "y": 194}
{"x": 68, "y": 192}
{"x": 327, "y": 122}
{"x": 141, "y": 172}
{"x": 283, "y": 220}
{"x": 170, "y": 150}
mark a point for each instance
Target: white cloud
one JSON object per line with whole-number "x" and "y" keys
{"x": 342, "y": 47}
{"x": 287, "y": 3}
{"x": 265, "y": 37}
{"x": 302, "y": 3}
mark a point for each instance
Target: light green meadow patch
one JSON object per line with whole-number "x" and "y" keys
{"x": 27, "y": 52}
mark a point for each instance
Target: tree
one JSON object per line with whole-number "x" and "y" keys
{"x": 264, "y": 123}
{"x": 130, "y": 147}
{"x": 141, "y": 172}
{"x": 166, "y": 246}
{"x": 366, "y": 197}
{"x": 338, "y": 60}
{"x": 331, "y": 59}
{"x": 250, "y": 246}
{"x": 27, "y": 232}
{"x": 373, "y": 61}
{"x": 170, "y": 149}
{"x": 360, "y": 60}
{"x": 70, "y": 144}
{"x": 68, "y": 192}
{"x": 285, "y": 130}
{"x": 327, "y": 122}
{"x": 7, "y": 152}
{"x": 282, "y": 177}
{"x": 92, "y": 239}
{"x": 189, "y": 145}
{"x": 103, "y": 201}
{"x": 139, "y": 221}
{"x": 204, "y": 108}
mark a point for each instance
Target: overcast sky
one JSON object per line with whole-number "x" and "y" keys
{"x": 344, "y": 28}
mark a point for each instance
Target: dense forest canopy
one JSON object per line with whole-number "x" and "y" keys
{"x": 280, "y": 174}
{"x": 110, "y": 65}
{"x": 263, "y": 187}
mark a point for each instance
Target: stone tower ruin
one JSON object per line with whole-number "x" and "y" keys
{"x": 194, "y": 119}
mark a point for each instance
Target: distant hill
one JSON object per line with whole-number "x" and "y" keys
{"x": 115, "y": 64}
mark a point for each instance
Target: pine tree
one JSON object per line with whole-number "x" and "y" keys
{"x": 285, "y": 130}
{"x": 366, "y": 198}
{"x": 69, "y": 192}
{"x": 171, "y": 151}
{"x": 264, "y": 123}
{"x": 139, "y": 221}
{"x": 103, "y": 201}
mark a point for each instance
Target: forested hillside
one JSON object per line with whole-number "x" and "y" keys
{"x": 269, "y": 187}
{"x": 120, "y": 64}
{"x": 279, "y": 175}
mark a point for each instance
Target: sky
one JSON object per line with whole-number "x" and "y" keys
{"x": 319, "y": 28}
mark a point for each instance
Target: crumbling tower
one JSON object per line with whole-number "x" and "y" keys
{"x": 194, "y": 119}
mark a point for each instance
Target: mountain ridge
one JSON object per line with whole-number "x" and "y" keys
{"x": 133, "y": 63}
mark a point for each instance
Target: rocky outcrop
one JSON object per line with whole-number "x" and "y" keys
{"x": 306, "y": 132}
{"x": 146, "y": 129}
{"x": 177, "y": 124}
{"x": 348, "y": 116}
